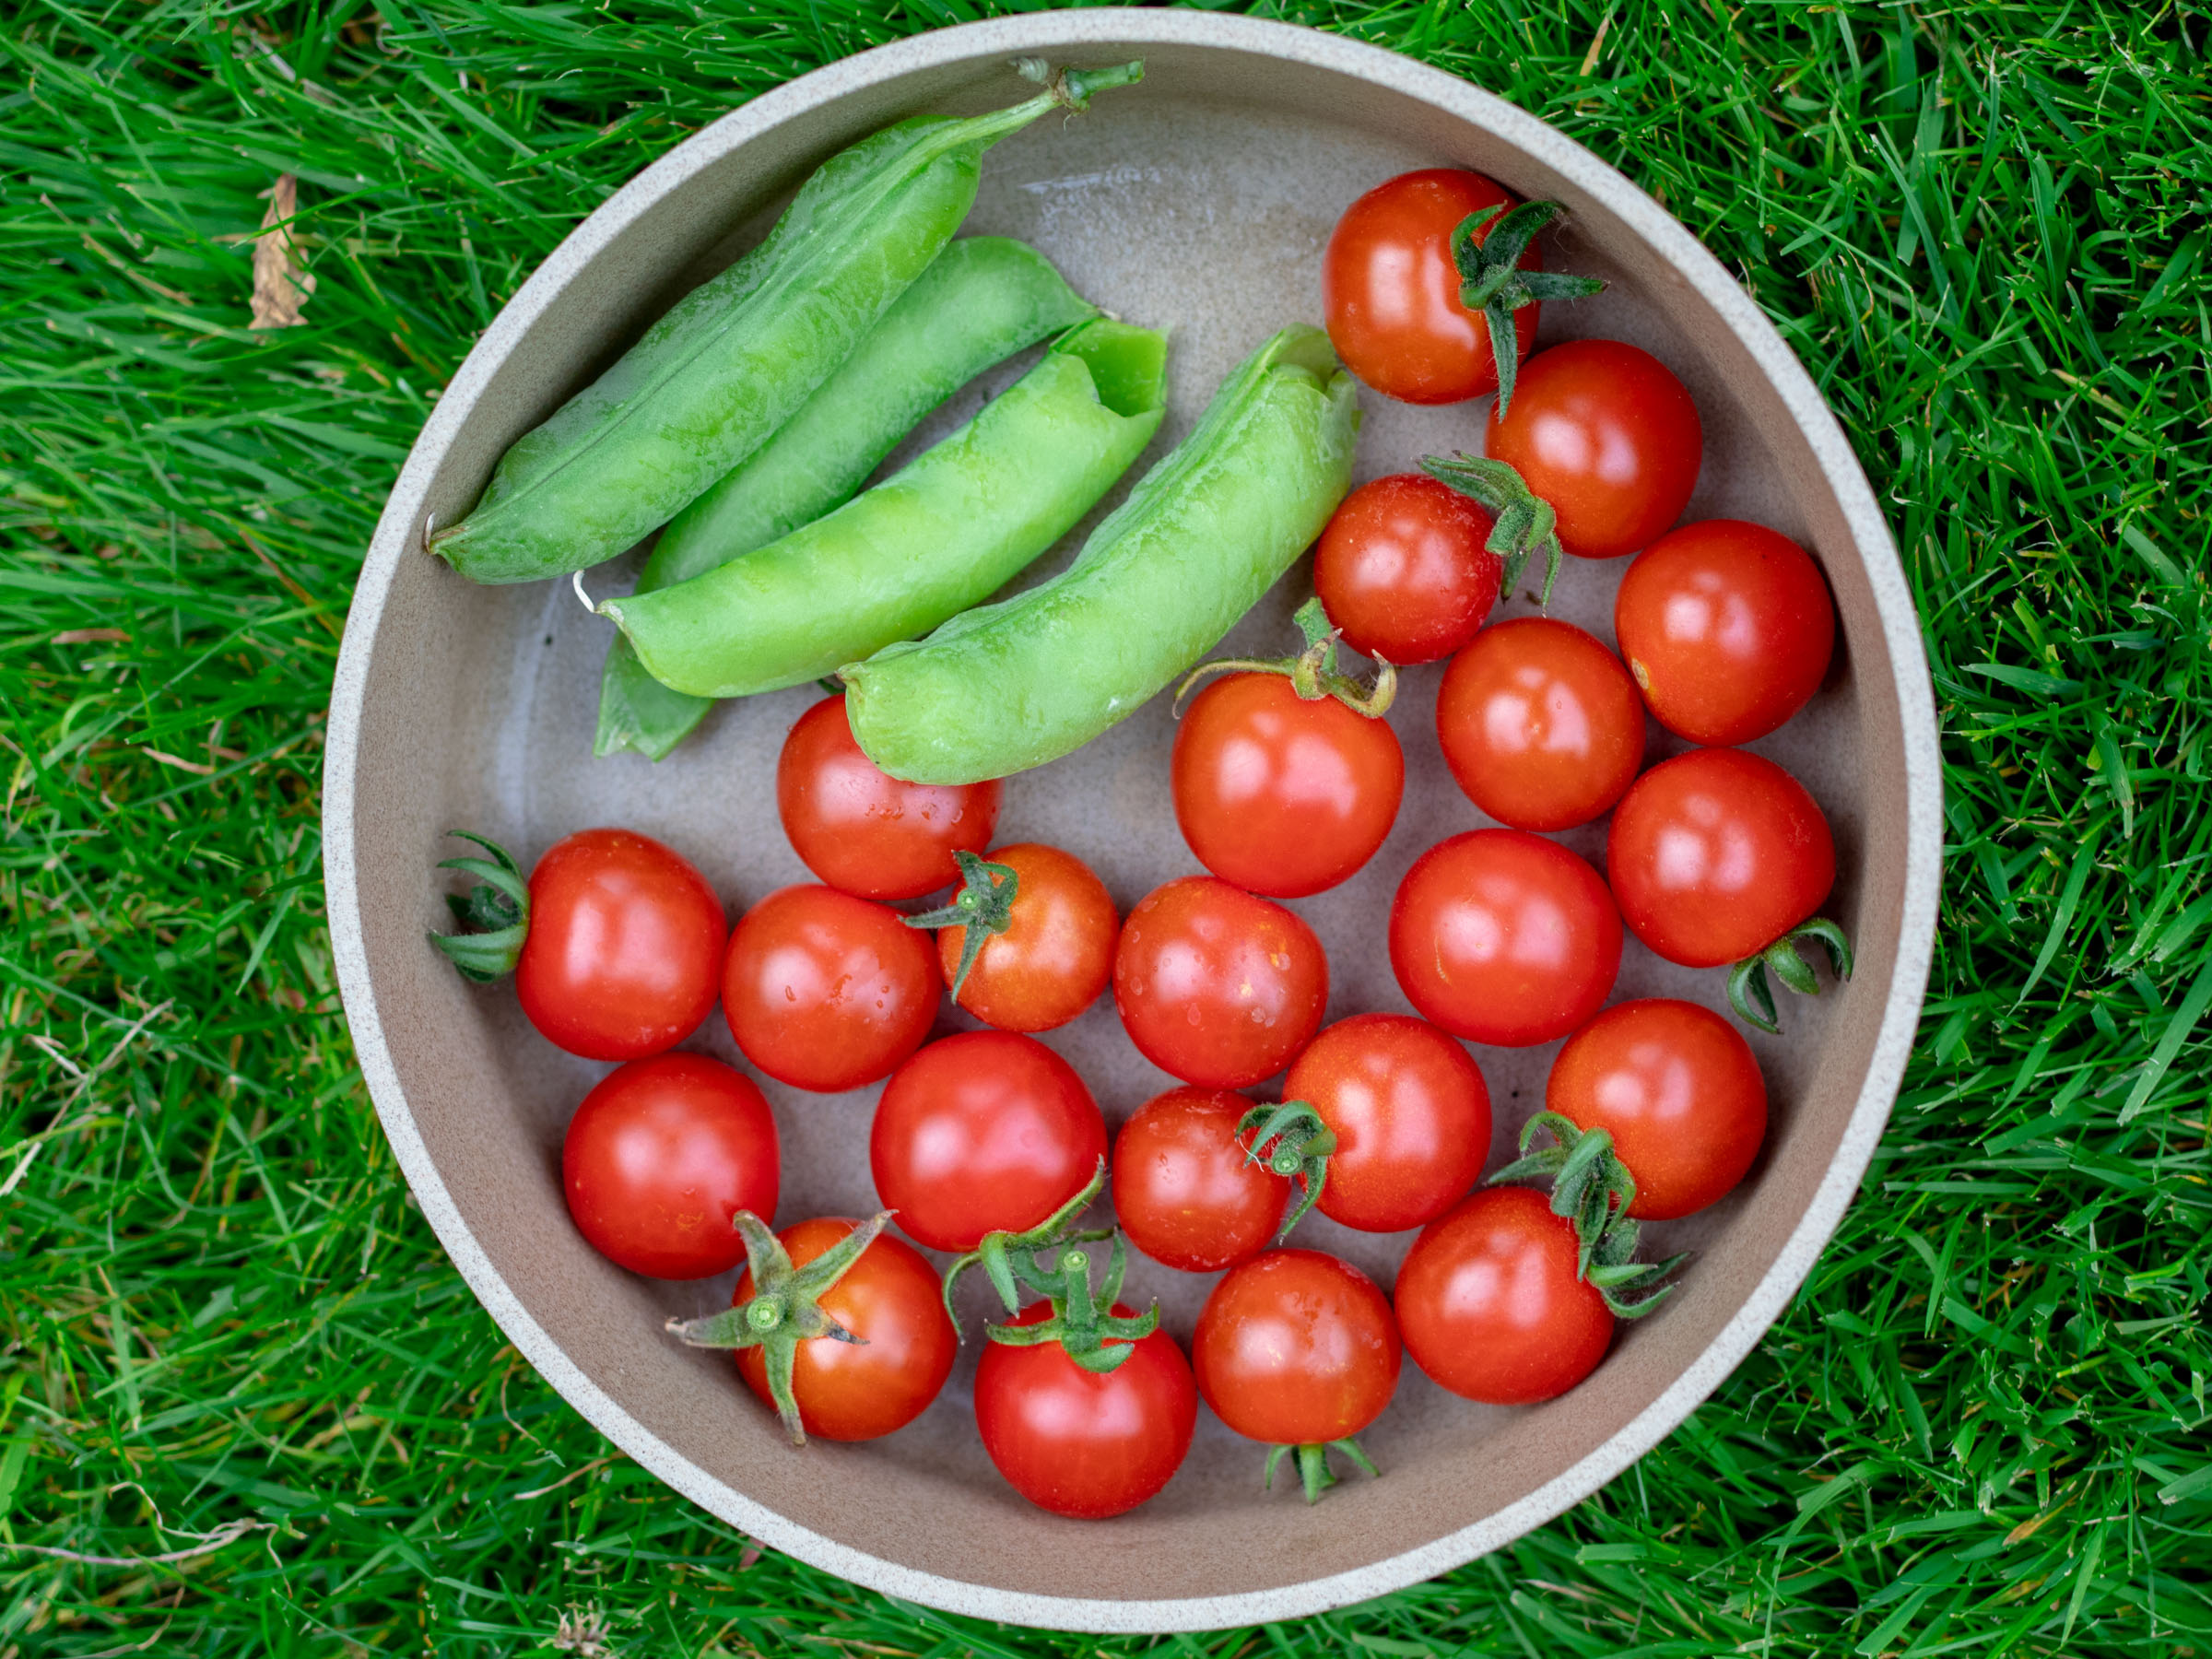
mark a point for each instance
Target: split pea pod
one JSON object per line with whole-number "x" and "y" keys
{"x": 736, "y": 357}
{"x": 1205, "y": 532}
{"x": 945, "y": 532}
{"x": 985, "y": 299}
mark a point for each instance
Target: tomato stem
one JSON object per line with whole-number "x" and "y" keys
{"x": 997, "y": 1250}
{"x": 1592, "y": 1188}
{"x": 1749, "y": 994}
{"x": 785, "y": 1309}
{"x": 1524, "y": 523}
{"x": 1313, "y": 1471}
{"x": 1082, "y": 1322}
{"x": 498, "y": 908}
{"x": 1301, "y": 1144}
{"x": 1494, "y": 284}
{"x": 1313, "y": 673}
{"x": 984, "y": 908}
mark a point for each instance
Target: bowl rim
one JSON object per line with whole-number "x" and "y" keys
{"x": 394, "y": 538}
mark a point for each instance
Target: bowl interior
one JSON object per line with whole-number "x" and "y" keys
{"x": 1199, "y": 202}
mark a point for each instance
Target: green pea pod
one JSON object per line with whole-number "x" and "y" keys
{"x": 1205, "y": 532}
{"x": 732, "y": 360}
{"x": 985, "y": 299}
{"x": 943, "y": 532}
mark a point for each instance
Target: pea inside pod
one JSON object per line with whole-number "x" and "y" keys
{"x": 943, "y": 532}
{"x": 1205, "y": 532}
{"x": 985, "y": 299}
{"x": 733, "y": 360}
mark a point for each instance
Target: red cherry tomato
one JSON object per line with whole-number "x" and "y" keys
{"x": 1078, "y": 1443}
{"x": 827, "y": 991}
{"x": 1504, "y": 937}
{"x": 1490, "y": 1305}
{"x": 1727, "y": 628}
{"x": 1280, "y": 795}
{"x": 1390, "y": 290}
{"x": 982, "y": 1132}
{"x": 1609, "y": 437}
{"x": 1403, "y": 570}
{"x": 890, "y": 1299}
{"x": 625, "y": 936}
{"x": 1217, "y": 986}
{"x": 1184, "y": 1189}
{"x": 1540, "y": 724}
{"x": 861, "y": 829}
{"x": 658, "y": 1159}
{"x": 1296, "y": 1348}
{"x": 1053, "y": 960}
{"x": 1410, "y": 1112}
{"x": 1680, "y": 1091}
{"x": 1715, "y": 854}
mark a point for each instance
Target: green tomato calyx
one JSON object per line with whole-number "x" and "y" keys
{"x": 1082, "y": 1321}
{"x": 998, "y": 1252}
{"x": 1313, "y": 673}
{"x": 984, "y": 907}
{"x": 497, "y": 910}
{"x": 1494, "y": 284}
{"x": 1526, "y": 523}
{"x": 1313, "y": 1471}
{"x": 1592, "y": 1188}
{"x": 1294, "y": 1142}
{"x": 785, "y": 1309}
{"x": 1748, "y": 993}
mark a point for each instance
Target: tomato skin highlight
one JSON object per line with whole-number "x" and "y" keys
{"x": 982, "y": 1132}
{"x": 1296, "y": 1347}
{"x": 624, "y": 943}
{"x": 863, "y": 831}
{"x": 1278, "y": 795}
{"x": 1055, "y": 958}
{"x": 827, "y": 991}
{"x": 1680, "y": 1092}
{"x": 1607, "y": 435}
{"x": 1217, "y": 986}
{"x": 1715, "y": 854}
{"x": 1404, "y": 571}
{"x": 1489, "y": 1306}
{"x": 890, "y": 1299}
{"x": 1184, "y": 1190}
{"x": 1079, "y": 1443}
{"x": 1503, "y": 937}
{"x": 1540, "y": 724}
{"x": 1727, "y": 628}
{"x": 1411, "y": 1115}
{"x": 1390, "y": 290}
{"x": 658, "y": 1159}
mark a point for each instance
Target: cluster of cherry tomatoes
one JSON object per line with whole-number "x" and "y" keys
{"x": 987, "y": 1146}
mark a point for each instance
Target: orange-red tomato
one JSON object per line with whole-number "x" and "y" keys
{"x": 890, "y": 1299}
{"x": 1184, "y": 1189}
{"x": 827, "y": 991}
{"x": 1296, "y": 1348}
{"x": 1678, "y": 1089}
{"x": 1540, "y": 724}
{"x": 1055, "y": 956}
{"x": 1727, "y": 628}
{"x": 1404, "y": 571}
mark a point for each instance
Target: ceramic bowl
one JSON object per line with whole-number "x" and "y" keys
{"x": 1199, "y": 201}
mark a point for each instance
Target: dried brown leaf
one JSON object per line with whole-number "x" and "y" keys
{"x": 280, "y": 286}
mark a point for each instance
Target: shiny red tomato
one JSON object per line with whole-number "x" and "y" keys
{"x": 1079, "y": 1443}
{"x": 1217, "y": 986}
{"x": 1410, "y": 1112}
{"x": 1055, "y": 956}
{"x": 625, "y": 938}
{"x": 1184, "y": 1190}
{"x": 1727, "y": 628}
{"x": 1280, "y": 795}
{"x": 1490, "y": 1305}
{"x": 827, "y": 991}
{"x": 1296, "y": 1348}
{"x": 658, "y": 1159}
{"x": 1540, "y": 724}
{"x": 1609, "y": 437}
{"x": 890, "y": 1299}
{"x": 861, "y": 829}
{"x": 1390, "y": 290}
{"x": 1715, "y": 854}
{"x": 1680, "y": 1092}
{"x": 1504, "y": 937}
{"x": 1403, "y": 570}
{"x": 982, "y": 1132}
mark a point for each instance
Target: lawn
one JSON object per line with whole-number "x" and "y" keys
{"x": 247, "y": 1407}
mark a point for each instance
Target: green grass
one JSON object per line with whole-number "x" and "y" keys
{"x": 1980, "y": 1430}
